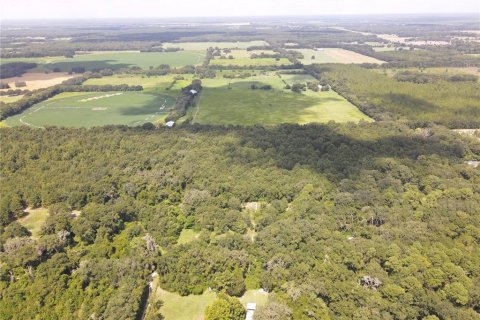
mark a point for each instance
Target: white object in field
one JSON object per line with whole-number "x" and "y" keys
{"x": 193, "y": 92}
{"x": 250, "y": 310}
{"x": 170, "y": 124}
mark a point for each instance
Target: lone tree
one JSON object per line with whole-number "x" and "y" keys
{"x": 225, "y": 308}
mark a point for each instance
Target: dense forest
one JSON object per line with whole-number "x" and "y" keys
{"x": 368, "y": 221}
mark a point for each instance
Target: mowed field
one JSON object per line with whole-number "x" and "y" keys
{"x": 202, "y": 46}
{"x": 115, "y": 60}
{"x": 88, "y": 109}
{"x": 233, "y": 102}
{"x": 334, "y": 55}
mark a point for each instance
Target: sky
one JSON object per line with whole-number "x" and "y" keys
{"x": 74, "y": 9}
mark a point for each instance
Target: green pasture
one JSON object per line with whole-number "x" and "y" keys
{"x": 334, "y": 55}
{"x": 232, "y": 101}
{"x": 115, "y": 60}
{"x": 245, "y": 62}
{"x": 88, "y": 109}
{"x": 150, "y": 84}
{"x": 202, "y": 46}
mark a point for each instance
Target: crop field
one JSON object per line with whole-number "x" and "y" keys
{"x": 335, "y": 55}
{"x": 232, "y": 101}
{"x": 202, "y": 46}
{"x": 152, "y": 83}
{"x": 245, "y": 62}
{"x": 81, "y": 109}
{"x": 37, "y": 80}
{"x": 116, "y": 60}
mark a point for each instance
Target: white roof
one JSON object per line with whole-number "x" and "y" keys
{"x": 170, "y": 124}
{"x": 251, "y": 306}
{"x": 193, "y": 91}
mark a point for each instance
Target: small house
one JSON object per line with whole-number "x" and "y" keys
{"x": 170, "y": 124}
{"x": 193, "y": 92}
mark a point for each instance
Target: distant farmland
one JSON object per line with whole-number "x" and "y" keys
{"x": 334, "y": 55}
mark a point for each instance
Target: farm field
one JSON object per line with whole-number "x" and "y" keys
{"x": 116, "y": 60}
{"x": 233, "y": 102}
{"x": 10, "y": 99}
{"x": 202, "y": 46}
{"x": 245, "y": 62}
{"x": 80, "y": 109}
{"x": 38, "y": 80}
{"x": 34, "y": 220}
{"x": 335, "y": 55}
{"x": 152, "y": 83}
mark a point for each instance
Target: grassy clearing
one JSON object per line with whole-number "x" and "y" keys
{"x": 150, "y": 84}
{"x": 187, "y": 235}
{"x": 232, "y": 101}
{"x": 81, "y": 109}
{"x": 202, "y": 46}
{"x": 259, "y": 297}
{"x": 34, "y": 220}
{"x": 297, "y": 78}
{"x": 10, "y": 99}
{"x": 334, "y": 55}
{"x": 176, "y": 307}
{"x": 245, "y": 62}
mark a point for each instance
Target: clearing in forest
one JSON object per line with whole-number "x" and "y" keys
{"x": 34, "y": 220}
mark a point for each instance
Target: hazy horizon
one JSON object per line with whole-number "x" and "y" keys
{"x": 130, "y": 9}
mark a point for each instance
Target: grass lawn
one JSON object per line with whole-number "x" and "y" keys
{"x": 34, "y": 220}
{"x": 231, "y": 101}
{"x": 192, "y": 307}
{"x": 187, "y": 235}
{"x": 334, "y": 55}
{"x": 297, "y": 78}
{"x": 88, "y": 109}
{"x": 194, "y": 46}
{"x": 257, "y": 296}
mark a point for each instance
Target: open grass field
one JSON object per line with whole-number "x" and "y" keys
{"x": 34, "y": 220}
{"x": 187, "y": 235}
{"x": 232, "y": 101}
{"x": 154, "y": 82}
{"x": 260, "y": 297}
{"x": 10, "y": 99}
{"x": 38, "y": 80}
{"x": 116, "y": 60}
{"x": 245, "y": 62}
{"x": 334, "y": 55}
{"x": 176, "y": 307}
{"x": 202, "y": 46}
{"x": 81, "y": 109}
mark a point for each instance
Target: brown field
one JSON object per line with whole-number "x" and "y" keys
{"x": 37, "y": 80}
